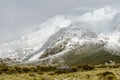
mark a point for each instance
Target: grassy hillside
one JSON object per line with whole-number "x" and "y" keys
{"x": 79, "y": 56}
{"x": 81, "y": 72}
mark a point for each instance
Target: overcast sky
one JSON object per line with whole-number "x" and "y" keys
{"x": 18, "y": 17}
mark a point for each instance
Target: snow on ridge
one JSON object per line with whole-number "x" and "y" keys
{"x": 106, "y": 13}
{"x": 34, "y": 40}
{"x": 99, "y": 21}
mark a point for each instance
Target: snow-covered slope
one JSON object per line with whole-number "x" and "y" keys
{"x": 32, "y": 42}
{"x": 88, "y": 33}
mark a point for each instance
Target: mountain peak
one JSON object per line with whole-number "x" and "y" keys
{"x": 106, "y": 13}
{"x": 86, "y": 34}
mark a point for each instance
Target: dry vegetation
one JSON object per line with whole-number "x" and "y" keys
{"x": 82, "y": 72}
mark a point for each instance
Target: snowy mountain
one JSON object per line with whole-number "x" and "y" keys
{"x": 32, "y": 42}
{"x": 82, "y": 39}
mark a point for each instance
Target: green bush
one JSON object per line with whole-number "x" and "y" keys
{"x": 108, "y": 76}
{"x": 25, "y": 69}
{"x": 74, "y": 68}
{"x": 46, "y": 68}
{"x": 86, "y": 67}
{"x": 18, "y": 69}
{"x": 32, "y": 75}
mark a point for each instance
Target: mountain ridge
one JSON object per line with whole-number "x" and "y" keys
{"x": 59, "y": 36}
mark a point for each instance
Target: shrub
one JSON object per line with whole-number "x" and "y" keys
{"x": 51, "y": 73}
{"x": 33, "y": 69}
{"x": 18, "y": 69}
{"x": 74, "y": 68}
{"x": 107, "y": 73}
{"x": 60, "y": 71}
{"x": 5, "y": 69}
{"x": 25, "y": 70}
{"x": 108, "y": 76}
{"x": 46, "y": 68}
{"x": 40, "y": 73}
{"x": 87, "y": 67}
{"x": 11, "y": 71}
{"x": 31, "y": 74}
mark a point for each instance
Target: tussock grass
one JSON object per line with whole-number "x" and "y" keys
{"x": 81, "y": 72}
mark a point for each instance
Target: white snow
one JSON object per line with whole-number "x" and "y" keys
{"x": 36, "y": 39}
{"x": 100, "y": 21}
{"x": 105, "y": 13}
{"x": 37, "y": 56}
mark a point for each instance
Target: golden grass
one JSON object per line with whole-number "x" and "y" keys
{"x": 50, "y": 75}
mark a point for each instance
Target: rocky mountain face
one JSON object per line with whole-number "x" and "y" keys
{"x": 92, "y": 38}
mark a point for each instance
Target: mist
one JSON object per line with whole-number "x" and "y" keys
{"x": 20, "y": 17}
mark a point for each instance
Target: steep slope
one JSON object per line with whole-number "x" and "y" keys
{"x": 91, "y": 39}
{"x": 72, "y": 41}
{"x": 31, "y": 43}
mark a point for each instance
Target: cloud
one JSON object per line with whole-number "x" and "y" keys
{"x": 18, "y": 17}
